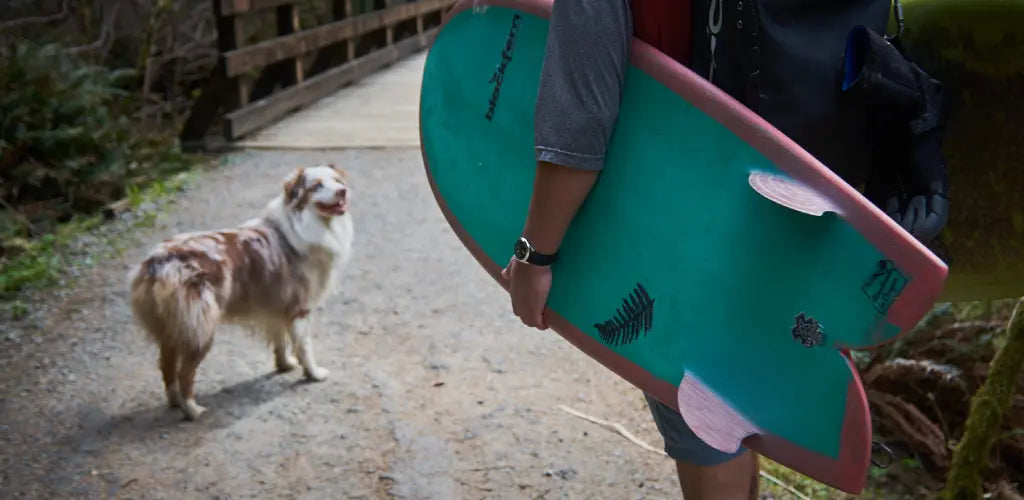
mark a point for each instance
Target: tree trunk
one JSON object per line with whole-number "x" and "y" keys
{"x": 988, "y": 406}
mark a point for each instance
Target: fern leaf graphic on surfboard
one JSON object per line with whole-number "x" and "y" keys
{"x": 715, "y": 265}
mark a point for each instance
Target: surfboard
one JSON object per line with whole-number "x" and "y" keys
{"x": 715, "y": 264}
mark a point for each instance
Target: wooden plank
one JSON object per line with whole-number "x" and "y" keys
{"x": 265, "y": 111}
{"x": 379, "y": 111}
{"x": 236, "y": 7}
{"x": 265, "y": 53}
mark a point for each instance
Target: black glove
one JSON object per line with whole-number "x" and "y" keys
{"x": 908, "y": 178}
{"x": 908, "y": 182}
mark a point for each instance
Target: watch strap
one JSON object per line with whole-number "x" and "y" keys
{"x": 541, "y": 259}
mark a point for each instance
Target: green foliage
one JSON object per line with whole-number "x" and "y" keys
{"x": 70, "y": 145}
{"x": 989, "y": 407}
{"x": 37, "y": 261}
{"x": 791, "y": 480}
{"x": 43, "y": 261}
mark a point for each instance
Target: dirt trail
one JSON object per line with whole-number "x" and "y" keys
{"x": 435, "y": 391}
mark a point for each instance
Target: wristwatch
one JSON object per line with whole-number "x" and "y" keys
{"x": 525, "y": 253}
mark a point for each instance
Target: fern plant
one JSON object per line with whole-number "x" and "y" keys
{"x": 68, "y": 142}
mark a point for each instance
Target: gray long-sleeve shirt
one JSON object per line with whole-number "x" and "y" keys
{"x": 581, "y": 81}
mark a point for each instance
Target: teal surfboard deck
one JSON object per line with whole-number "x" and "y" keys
{"x": 715, "y": 265}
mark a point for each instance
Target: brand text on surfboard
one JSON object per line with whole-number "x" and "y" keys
{"x": 499, "y": 73}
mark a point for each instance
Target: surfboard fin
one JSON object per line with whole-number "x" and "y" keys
{"x": 790, "y": 194}
{"x": 711, "y": 418}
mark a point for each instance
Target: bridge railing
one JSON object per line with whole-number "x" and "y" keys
{"x": 258, "y": 79}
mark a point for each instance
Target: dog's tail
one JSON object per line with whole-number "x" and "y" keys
{"x": 175, "y": 302}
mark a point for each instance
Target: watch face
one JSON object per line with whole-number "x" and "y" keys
{"x": 521, "y": 249}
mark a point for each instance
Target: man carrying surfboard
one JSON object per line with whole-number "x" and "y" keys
{"x": 781, "y": 58}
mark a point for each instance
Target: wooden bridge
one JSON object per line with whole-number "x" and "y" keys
{"x": 279, "y": 57}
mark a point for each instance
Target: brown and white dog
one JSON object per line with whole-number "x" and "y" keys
{"x": 266, "y": 274}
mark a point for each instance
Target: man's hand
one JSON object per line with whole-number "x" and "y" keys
{"x": 558, "y": 193}
{"x": 529, "y": 287}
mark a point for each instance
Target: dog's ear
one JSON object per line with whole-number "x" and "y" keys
{"x": 293, "y": 185}
{"x": 340, "y": 171}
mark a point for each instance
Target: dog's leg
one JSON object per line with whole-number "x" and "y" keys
{"x": 283, "y": 359}
{"x": 169, "y": 368}
{"x": 190, "y": 359}
{"x": 302, "y": 341}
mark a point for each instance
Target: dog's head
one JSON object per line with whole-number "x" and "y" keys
{"x": 323, "y": 189}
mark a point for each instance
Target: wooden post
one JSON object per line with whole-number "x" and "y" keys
{"x": 288, "y": 23}
{"x": 389, "y": 36}
{"x": 220, "y": 92}
{"x": 230, "y": 36}
{"x": 350, "y": 45}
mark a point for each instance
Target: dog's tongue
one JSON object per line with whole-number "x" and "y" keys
{"x": 335, "y": 208}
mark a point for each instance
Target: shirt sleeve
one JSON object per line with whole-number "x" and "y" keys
{"x": 585, "y": 61}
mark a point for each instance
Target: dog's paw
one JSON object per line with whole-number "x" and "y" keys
{"x": 317, "y": 373}
{"x": 173, "y": 398}
{"x": 192, "y": 410}
{"x": 286, "y": 364}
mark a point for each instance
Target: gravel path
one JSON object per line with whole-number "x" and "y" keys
{"x": 432, "y": 394}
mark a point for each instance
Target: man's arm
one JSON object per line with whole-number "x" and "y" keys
{"x": 577, "y": 104}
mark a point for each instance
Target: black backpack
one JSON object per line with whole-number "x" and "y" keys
{"x": 825, "y": 74}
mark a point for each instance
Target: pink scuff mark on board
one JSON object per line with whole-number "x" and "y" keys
{"x": 710, "y": 418}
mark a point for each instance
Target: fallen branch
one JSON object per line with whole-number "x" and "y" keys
{"x": 637, "y": 441}
{"x": 106, "y": 36}
{"x": 471, "y": 485}
{"x": 614, "y": 426}
{"x": 490, "y": 468}
{"x": 923, "y": 436}
{"x": 25, "y": 21}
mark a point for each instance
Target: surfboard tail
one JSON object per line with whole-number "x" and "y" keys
{"x": 717, "y": 424}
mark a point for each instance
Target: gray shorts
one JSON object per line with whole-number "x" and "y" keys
{"x": 680, "y": 442}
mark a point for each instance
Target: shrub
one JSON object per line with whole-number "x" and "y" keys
{"x": 68, "y": 141}
{"x": 69, "y": 145}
